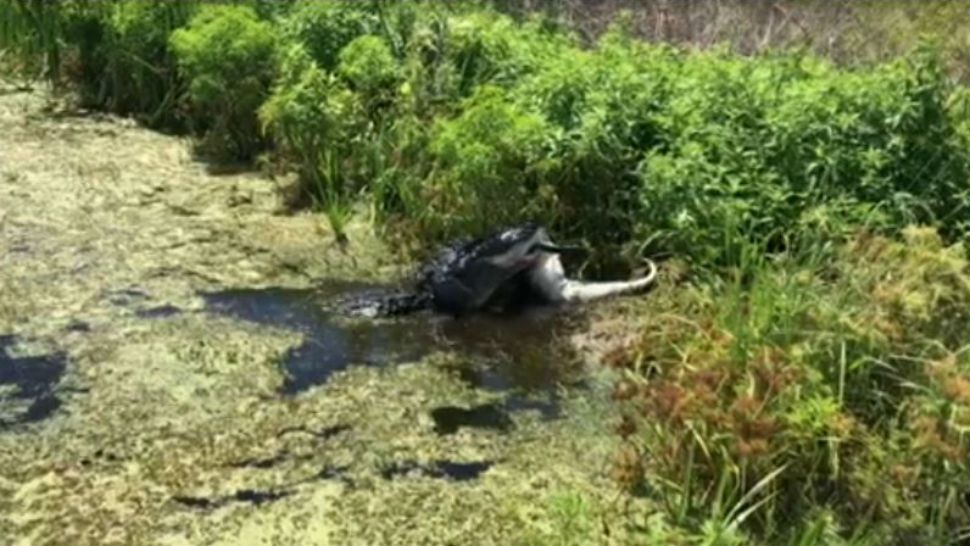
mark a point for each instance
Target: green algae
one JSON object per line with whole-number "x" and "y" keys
{"x": 103, "y": 219}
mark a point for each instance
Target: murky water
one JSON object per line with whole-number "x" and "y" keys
{"x": 27, "y": 384}
{"x": 128, "y": 415}
{"x": 520, "y": 353}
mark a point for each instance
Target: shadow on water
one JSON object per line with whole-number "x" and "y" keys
{"x": 252, "y": 496}
{"x": 445, "y": 469}
{"x": 448, "y": 419}
{"x": 27, "y": 384}
{"x": 505, "y": 353}
{"x": 161, "y": 311}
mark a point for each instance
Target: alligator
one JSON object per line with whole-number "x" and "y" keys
{"x": 503, "y": 271}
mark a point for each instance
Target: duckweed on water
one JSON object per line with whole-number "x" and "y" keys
{"x": 189, "y": 406}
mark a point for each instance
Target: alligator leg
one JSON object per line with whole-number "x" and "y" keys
{"x": 472, "y": 290}
{"x": 452, "y": 297}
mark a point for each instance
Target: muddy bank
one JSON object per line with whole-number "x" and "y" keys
{"x": 166, "y": 377}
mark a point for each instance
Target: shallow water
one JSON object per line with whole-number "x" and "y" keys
{"x": 251, "y": 496}
{"x": 505, "y": 353}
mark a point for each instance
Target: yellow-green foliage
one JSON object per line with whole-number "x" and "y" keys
{"x": 486, "y": 154}
{"x": 226, "y": 53}
{"x": 631, "y": 146}
{"x": 312, "y": 115}
{"x": 326, "y": 27}
{"x": 369, "y": 67}
{"x": 447, "y": 118}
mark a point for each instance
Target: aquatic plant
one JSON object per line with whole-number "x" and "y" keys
{"x": 841, "y": 387}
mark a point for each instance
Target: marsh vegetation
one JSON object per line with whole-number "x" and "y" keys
{"x": 799, "y": 376}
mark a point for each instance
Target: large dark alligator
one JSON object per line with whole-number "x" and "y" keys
{"x": 511, "y": 268}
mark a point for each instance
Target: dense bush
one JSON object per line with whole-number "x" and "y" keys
{"x": 226, "y": 55}
{"x": 370, "y": 68}
{"x": 314, "y": 118}
{"x": 448, "y": 120}
{"x": 685, "y": 152}
{"x": 761, "y": 149}
{"x": 486, "y": 155}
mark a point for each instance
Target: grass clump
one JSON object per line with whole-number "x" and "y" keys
{"x": 137, "y": 73}
{"x": 840, "y": 391}
{"x": 115, "y": 53}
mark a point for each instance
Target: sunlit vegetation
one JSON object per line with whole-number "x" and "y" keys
{"x": 806, "y": 383}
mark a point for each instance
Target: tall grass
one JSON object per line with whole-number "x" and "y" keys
{"x": 840, "y": 391}
{"x": 32, "y": 36}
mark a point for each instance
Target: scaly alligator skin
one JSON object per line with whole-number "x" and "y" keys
{"x": 509, "y": 268}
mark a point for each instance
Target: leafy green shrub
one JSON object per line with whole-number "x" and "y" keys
{"x": 486, "y": 155}
{"x": 755, "y": 150}
{"x": 313, "y": 116}
{"x": 486, "y": 47}
{"x": 604, "y": 105}
{"x": 226, "y": 54}
{"x": 697, "y": 154}
{"x": 326, "y": 27}
{"x": 370, "y": 68}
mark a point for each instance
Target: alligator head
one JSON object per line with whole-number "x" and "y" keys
{"x": 478, "y": 269}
